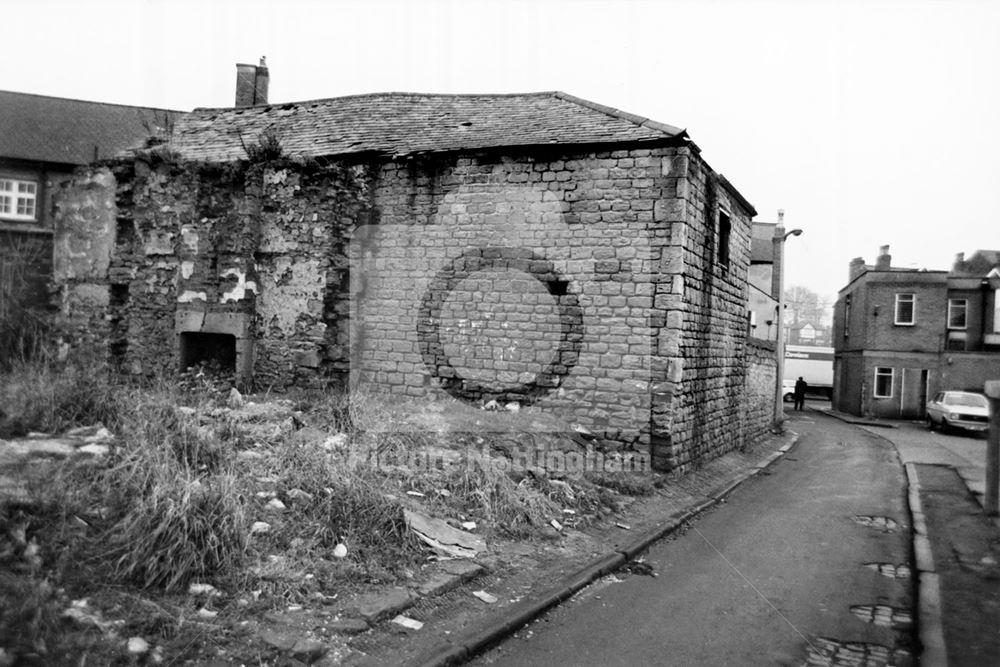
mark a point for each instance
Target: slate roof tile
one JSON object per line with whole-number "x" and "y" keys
{"x": 56, "y": 129}
{"x": 407, "y": 123}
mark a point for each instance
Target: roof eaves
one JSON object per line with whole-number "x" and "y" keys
{"x": 736, "y": 194}
{"x": 641, "y": 121}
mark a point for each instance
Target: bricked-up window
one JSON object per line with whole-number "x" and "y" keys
{"x": 956, "y": 313}
{"x": 17, "y": 199}
{"x": 883, "y": 382}
{"x": 905, "y": 307}
{"x": 725, "y": 229}
{"x": 847, "y": 315}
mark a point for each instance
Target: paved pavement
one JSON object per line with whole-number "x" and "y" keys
{"x": 807, "y": 563}
{"x": 966, "y": 453}
{"x": 948, "y": 471}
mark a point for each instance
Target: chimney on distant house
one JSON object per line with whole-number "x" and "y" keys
{"x": 251, "y": 84}
{"x": 884, "y": 259}
{"x": 857, "y": 267}
{"x": 959, "y": 261}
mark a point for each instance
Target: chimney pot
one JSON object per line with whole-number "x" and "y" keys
{"x": 959, "y": 259}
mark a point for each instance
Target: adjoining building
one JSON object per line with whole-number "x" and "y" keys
{"x": 903, "y": 334}
{"x": 42, "y": 140}
{"x": 762, "y": 280}
{"x": 538, "y": 249}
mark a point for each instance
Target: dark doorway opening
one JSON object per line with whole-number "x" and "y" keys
{"x": 216, "y": 351}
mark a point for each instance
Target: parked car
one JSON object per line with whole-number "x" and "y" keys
{"x": 958, "y": 409}
{"x": 788, "y": 390}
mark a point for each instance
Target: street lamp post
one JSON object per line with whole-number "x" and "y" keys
{"x": 780, "y": 236}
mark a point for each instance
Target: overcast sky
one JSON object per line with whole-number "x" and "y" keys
{"x": 869, "y": 122}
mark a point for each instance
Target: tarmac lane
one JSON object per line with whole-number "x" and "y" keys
{"x": 807, "y": 563}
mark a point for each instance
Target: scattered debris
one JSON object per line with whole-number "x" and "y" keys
{"x": 275, "y": 504}
{"x": 340, "y": 551}
{"x": 513, "y": 406}
{"x": 407, "y": 622}
{"x": 442, "y": 537}
{"x": 137, "y": 646}
{"x": 468, "y": 525}
{"x": 444, "y": 492}
{"x": 260, "y": 527}
{"x": 491, "y": 405}
{"x": 639, "y": 567}
{"x": 415, "y": 493}
{"x": 555, "y": 524}
{"x": 81, "y": 612}
{"x": 235, "y": 399}
{"x": 93, "y": 450}
{"x": 207, "y": 590}
{"x": 485, "y": 597}
{"x": 335, "y": 442}
{"x": 207, "y": 613}
{"x": 299, "y": 494}
{"x": 624, "y": 526}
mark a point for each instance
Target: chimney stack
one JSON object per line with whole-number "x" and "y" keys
{"x": 251, "y": 84}
{"x": 884, "y": 259}
{"x": 857, "y": 267}
{"x": 959, "y": 261}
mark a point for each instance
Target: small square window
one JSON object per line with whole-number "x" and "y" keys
{"x": 957, "y": 309}
{"x": 883, "y": 382}
{"x": 905, "y": 309}
{"x": 18, "y": 199}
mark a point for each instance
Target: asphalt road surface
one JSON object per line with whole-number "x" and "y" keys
{"x": 798, "y": 567}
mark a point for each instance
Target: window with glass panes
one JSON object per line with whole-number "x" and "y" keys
{"x": 956, "y": 313}
{"x": 18, "y": 199}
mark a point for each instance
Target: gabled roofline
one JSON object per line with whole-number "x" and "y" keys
{"x": 641, "y": 121}
{"x": 731, "y": 189}
{"x": 100, "y": 104}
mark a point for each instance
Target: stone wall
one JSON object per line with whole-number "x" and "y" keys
{"x": 757, "y": 415}
{"x": 524, "y": 278}
{"x": 703, "y": 347}
{"x": 84, "y": 233}
{"x": 150, "y": 252}
{"x": 604, "y": 290}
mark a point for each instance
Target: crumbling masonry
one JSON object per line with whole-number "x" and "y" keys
{"x": 600, "y": 281}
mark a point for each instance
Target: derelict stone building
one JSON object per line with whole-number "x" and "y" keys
{"x": 531, "y": 248}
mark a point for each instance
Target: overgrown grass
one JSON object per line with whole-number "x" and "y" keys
{"x": 175, "y": 500}
{"x": 52, "y": 397}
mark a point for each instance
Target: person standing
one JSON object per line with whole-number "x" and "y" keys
{"x": 800, "y": 393}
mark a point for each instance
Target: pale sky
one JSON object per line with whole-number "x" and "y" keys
{"x": 870, "y": 123}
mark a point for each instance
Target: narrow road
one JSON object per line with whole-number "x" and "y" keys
{"x": 785, "y": 573}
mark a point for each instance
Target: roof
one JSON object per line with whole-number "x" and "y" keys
{"x": 56, "y": 129}
{"x": 978, "y": 264}
{"x": 408, "y": 123}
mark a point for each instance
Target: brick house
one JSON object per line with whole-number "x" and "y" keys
{"x": 42, "y": 140}
{"x": 762, "y": 280}
{"x": 901, "y": 334}
{"x": 530, "y": 248}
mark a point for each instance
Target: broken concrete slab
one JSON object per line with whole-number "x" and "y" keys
{"x": 452, "y": 574}
{"x": 376, "y": 606}
{"x": 443, "y": 537}
{"x": 346, "y": 626}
